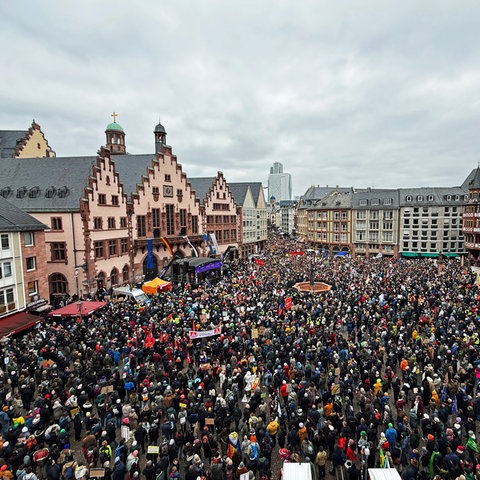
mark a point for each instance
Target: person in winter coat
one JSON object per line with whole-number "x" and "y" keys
{"x": 119, "y": 470}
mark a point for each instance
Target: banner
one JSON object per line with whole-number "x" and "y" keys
{"x": 204, "y": 333}
{"x": 215, "y": 243}
{"x": 296, "y": 253}
{"x": 208, "y": 242}
{"x": 259, "y": 261}
{"x": 185, "y": 237}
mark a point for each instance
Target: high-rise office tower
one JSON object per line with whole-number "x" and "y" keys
{"x": 279, "y": 183}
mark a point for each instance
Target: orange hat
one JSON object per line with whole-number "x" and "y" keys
{"x": 430, "y": 437}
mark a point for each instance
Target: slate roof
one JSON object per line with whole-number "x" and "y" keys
{"x": 386, "y": 197}
{"x": 473, "y": 180}
{"x": 9, "y": 139}
{"x": 13, "y": 219}
{"x": 432, "y": 196}
{"x": 131, "y": 168}
{"x": 335, "y": 200}
{"x": 315, "y": 192}
{"x": 201, "y": 186}
{"x": 36, "y": 176}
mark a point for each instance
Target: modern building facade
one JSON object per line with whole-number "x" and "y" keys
{"x": 279, "y": 183}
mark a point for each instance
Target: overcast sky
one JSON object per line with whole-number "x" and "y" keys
{"x": 354, "y": 93}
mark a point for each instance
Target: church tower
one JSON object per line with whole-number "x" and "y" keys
{"x": 160, "y": 138}
{"x": 115, "y": 137}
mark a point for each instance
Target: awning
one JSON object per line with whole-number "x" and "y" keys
{"x": 73, "y": 309}
{"x": 429, "y": 255}
{"x": 17, "y": 322}
{"x": 410, "y": 254}
{"x": 451, "y": 255}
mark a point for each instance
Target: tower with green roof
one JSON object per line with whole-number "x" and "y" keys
{"x": 115, "y": 137}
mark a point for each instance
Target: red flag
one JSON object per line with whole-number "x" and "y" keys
{"x": 188, "y": 358}
{"x": 193, "y": 324}
{"x": 288, "y": 303}
{"x": 280, "y": 311}
{"x": 259, "y": 261}
{"x": 160, "y": 338}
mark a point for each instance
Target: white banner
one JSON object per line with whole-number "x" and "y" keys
{"x": 193, "y": 334}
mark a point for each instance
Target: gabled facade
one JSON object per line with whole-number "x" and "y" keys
{"x": 29, "y": 143}
{"x": 220, "y": 214}
{"x": 330, "y": 223}
{"x": 471, "y": 217}
{"x": 250, "y": 199}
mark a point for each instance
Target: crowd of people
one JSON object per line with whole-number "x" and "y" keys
{"x": 381, "y": 370}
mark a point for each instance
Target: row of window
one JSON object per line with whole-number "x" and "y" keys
{"x": 102, "y": 199}
{"x": 432, "y": 247}
{"x": 170, "y": 218}
{"x": 113, "y": 247}
{"x": 111, "y": 223}
{"x": 363, "y": 202}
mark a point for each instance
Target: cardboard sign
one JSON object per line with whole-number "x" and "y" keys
{"x": 47, "y": 363}
{"x": 209, "y": 421}
{"x": 107, "y": 389}
{"x": 74, "y": 412}
{"x": 182, "y": 405}
{"x": 97, "y": 472}
{"x": 254, "y": 333}
{"x": 153, "y": 449}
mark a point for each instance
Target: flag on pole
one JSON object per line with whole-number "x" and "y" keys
{"x": 168, "y": 246}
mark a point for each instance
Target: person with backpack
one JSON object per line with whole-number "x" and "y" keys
{"x": 68, "y": 469}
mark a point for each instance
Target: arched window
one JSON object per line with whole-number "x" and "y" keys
{"x": 114, "y": 277}
{"x": 101, "y": 280}
{"x": 58, "y": 284}
{"x": 125, "y": 274}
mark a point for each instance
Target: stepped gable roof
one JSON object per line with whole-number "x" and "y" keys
{"x": 130, "y": 169}
{"x": 10, "y": 140}
{"x": 201, "y": 186}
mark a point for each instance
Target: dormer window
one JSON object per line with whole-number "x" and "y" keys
{"x": 63, "y": 192}
{"x": 33, "y": 193}
{"x": 21, "y": 192}
{"x": 50, "y": 192}
{"x": 419, "y": 198}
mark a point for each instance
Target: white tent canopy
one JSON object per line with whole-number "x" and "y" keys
{"x": 383, "y": 474}
{"x": 296, "y": 471}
